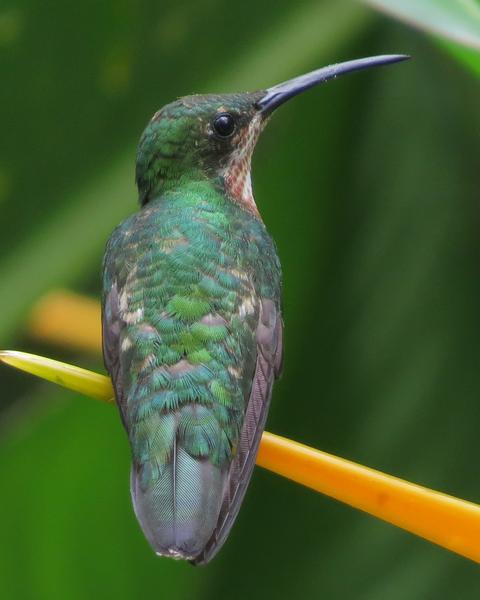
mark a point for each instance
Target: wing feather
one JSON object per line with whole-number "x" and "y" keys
{"x": 268, "y": 365}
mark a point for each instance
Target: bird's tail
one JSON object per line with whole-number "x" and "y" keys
{"x": 177, "y": 498}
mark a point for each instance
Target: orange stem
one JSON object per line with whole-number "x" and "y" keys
{"x": 439, "y": 518}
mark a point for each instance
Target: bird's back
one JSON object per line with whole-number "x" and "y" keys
{"x": 191, "y": 312}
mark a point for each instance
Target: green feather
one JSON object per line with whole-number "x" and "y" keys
{"x": 185, "y": 278}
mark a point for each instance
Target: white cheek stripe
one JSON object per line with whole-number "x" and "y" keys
{"x": 237, "y": 174}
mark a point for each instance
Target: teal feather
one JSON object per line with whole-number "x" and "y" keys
{"x": 184, "y": 298}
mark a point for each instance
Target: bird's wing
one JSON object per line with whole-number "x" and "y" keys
{"x": 112, "y": 325}
{"x": 116, "y": 269}
{"x": 269, "y": 335}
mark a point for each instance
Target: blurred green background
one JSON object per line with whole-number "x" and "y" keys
{"x": 370, "y": 188}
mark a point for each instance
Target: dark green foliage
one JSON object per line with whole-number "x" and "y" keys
{"x": 370, "y": 189}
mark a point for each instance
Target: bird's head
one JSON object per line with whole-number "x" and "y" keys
{"x": 213, "y": 136}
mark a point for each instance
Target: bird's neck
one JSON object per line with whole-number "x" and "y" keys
{"x": 237, "y": 182}
{"x": 236, "y": 175}
{"x": 202, "y": 194}
{"x": 231, "y": 185}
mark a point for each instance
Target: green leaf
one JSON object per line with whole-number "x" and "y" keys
{"x": 457, "y": 22}
{"x": 468, "y": 56}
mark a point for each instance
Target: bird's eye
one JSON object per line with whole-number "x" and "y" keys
{"x": 224, "y": 124}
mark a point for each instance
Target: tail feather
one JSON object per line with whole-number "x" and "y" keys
{"x": 178, "y": 508}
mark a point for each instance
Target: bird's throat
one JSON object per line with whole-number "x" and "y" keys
{"x": 237, "y": 173}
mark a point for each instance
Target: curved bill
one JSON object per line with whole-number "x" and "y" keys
{"x": 278, "y": 94}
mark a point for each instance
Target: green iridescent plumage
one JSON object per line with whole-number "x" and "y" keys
{"x": 188, "y": 280}
{"x": 192, "y": 327}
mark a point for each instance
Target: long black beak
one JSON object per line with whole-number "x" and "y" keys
{"x": 278, "y": 94}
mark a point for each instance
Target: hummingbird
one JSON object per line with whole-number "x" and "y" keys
{"x": 192, "y": 314}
